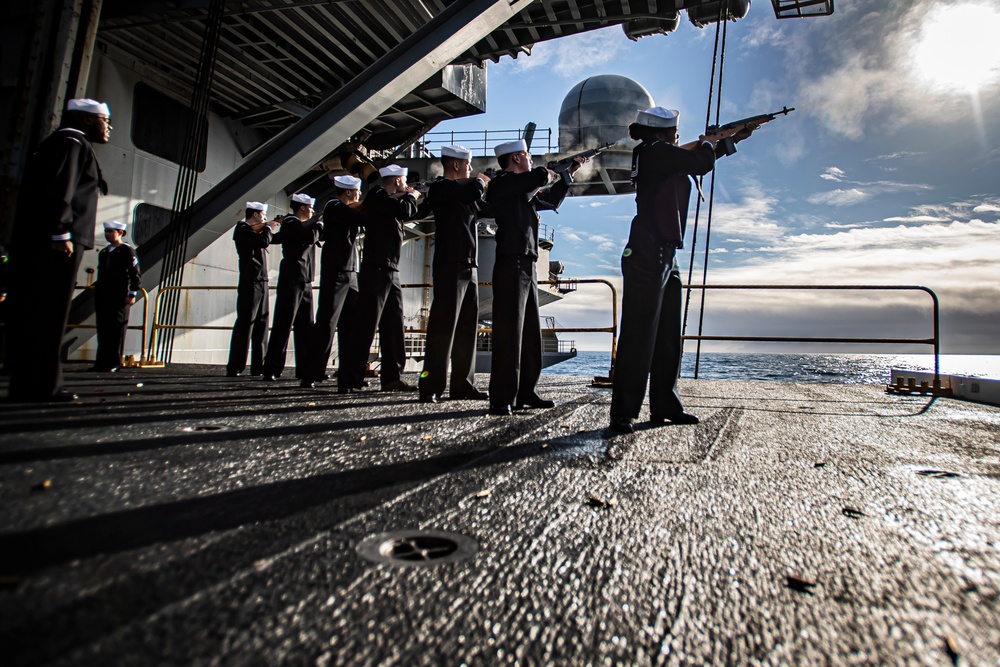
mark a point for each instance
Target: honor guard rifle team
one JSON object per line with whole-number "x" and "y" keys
{"x": 57, "y": 215}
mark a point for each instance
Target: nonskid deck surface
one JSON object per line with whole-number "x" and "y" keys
{"x": 176, "y": 516}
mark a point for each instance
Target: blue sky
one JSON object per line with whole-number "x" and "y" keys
{"x": 887, "y": 173}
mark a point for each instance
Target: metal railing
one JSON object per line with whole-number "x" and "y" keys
{"x": 482, "y": 142}
{"x": 157, "y": 327}
{"x": 569, "y": 284}
{"x": 934, "y": 341}
{"x": 411, "y": 344}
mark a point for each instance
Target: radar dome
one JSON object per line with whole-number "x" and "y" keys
{"x": 598, "y": 111}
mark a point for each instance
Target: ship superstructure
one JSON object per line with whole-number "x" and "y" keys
{"x": 217, "y": 102}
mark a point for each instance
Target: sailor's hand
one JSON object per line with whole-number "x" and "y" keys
{"x": 553, "y": 176}
{"x": 484, "y": 178}
{"x": 130, "y": 301}
{"x": 577, "y": 163}
{"x": 745, "y": 131}
{"x": 63, "y": 247}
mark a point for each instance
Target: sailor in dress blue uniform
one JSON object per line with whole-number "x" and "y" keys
{"x": 118, "y": 284}
{"x": 649, "y": 348}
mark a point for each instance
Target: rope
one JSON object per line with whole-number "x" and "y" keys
{"x": 175, "y": 256}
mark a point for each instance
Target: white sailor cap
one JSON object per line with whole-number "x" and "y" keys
{"x": 657, "y": 117}
{"x": 460, "y": 152}
{"x": 303, "y": 198}
{"x": 511, "y": 147}
{"x": 347, "y": 182}
{"x": 257, "y": 206}
{"x": 89, "y": 106}
{"x": 393, "y": 170}
{"x": 114, "y": 224}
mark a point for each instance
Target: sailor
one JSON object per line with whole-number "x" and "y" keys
{"x": 338, "y": 278}
{"x": 517, "y": 337}
{"x": 252, "y": 236}
{"x": 456, "y": 201}
{"x": 117, "y": 286}
{"x": 650, "y": 344}
{"x": 293, "y": 303}
{"x": 380, "y": 299}
{"x": 55, "y": 221}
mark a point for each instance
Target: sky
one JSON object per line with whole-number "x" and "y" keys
{"x": 887, "y": 173}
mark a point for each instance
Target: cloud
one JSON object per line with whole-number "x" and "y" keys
{"x": 855, "y": 70}
{"x": 986, "y": 208}
{"x": 955, "y": 259}
{"x": 895, "y": 156}
{"x": 863, "y": 193}
{"x": 915, "y": 219}
{"x": 833, "y": 174}
{"x": 574, "y": 55}
{"x": 751, "y": 217}
{"x": 839, "y": 225}
{"x": 840, "y": 197}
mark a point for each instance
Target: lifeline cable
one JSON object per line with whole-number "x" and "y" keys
{"x": 697, "y": 210}
{"x": 175, "y": 256}
{"x": 711, "y": 203}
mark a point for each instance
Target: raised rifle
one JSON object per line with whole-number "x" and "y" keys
{"x": 562, "y": 166}
{"x": 729, "y": 146}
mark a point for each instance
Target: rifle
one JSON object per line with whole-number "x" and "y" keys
{"x": 729, "y": 146}
{"x": 562, "y": 166}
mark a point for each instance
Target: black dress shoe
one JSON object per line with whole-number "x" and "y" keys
{"x": 682, "y": 418}
{"x": 501, "y": 410}
{"x": 398, "y": 385}
{"x": 429, "y": 398}
{"x": 535, "y": 402}
{"x": 366, "y": 383}
{"x": 232, "y": 374}
{"x": 103, "y": 369}
{"x": 348, "y": 390}
{"x": 256, "y": 372}
{"x": 469, "y": 396}
{"x": 267, "y": 377}
{"x": 307, "y": 384}
{"x": 622, "y": 425}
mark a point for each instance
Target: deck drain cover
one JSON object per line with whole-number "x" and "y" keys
{"x": 417, "y": 547}
{"x": 202, "y": 428}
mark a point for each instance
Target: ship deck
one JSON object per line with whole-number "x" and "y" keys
{"x": 176, "y": 516}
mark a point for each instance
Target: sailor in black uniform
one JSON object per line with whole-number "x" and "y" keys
{"x": 251, "y": 236}
{"x": 517, "y": 336}
{"x": 650, "y": 344}
{"x": 117, "y": 286}
{"x": 54, "y": 224}
{"x": 293, "y": 304}
{"x": 456, "y": 200}
{"x": 338, "y": 278}
{"x": 380, "y": 299}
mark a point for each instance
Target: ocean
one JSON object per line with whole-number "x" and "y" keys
{"x": 831, "y": 368}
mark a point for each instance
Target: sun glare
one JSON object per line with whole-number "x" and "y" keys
{"x": 957, "y": 50}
